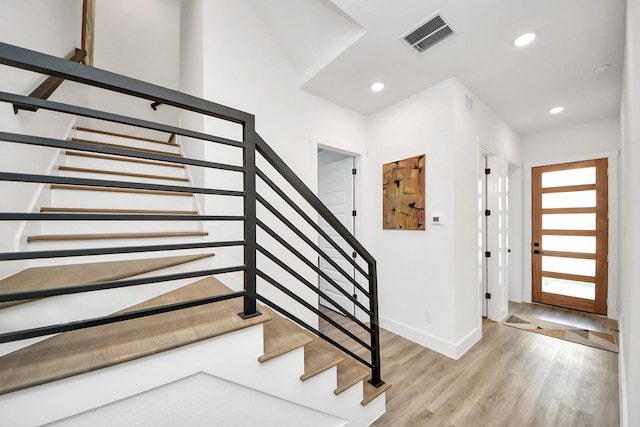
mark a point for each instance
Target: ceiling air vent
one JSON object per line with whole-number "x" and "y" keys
{"x": 429, "y": 34}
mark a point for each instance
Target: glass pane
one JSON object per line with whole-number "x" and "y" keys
{"x": 569, "y": 177}
{"x": 569, "y": 199}
{"x": 582, "y": 244}
{"x": 569, "y": 221}
{"x": 582, "y": 267}
{"x": 570, "y": 288}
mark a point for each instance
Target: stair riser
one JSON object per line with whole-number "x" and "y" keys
{"x": 122, "y": 178}
{"x": 115, "y": 200}
{"x": 93, "y": 227}
{"x": 109, "y": 243}
{"x": 120, "y": 166}
{"x": 126, "y": 142}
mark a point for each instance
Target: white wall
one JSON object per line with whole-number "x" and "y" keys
{"x": 139, "y": 39}
{"x": 54, "y": 30}
{"x": 432, "y": 270}
{"x": 630, "y": 225}
{"x": 244, "y": 68}
{"x": 597, "y": 139}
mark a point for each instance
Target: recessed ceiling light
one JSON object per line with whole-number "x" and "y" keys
{"x": 556, "y": 110}
{"x": 524, "y": 39}
{"x": 377, "y": 87}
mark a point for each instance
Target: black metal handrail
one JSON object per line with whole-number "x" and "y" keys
{"x": 252, "y": 146}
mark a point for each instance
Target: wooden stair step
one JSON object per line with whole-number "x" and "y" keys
{"x": 122, "y": 159}
{"x": 318, "y": 357}
{"x": 118, "y": 173}
{"x": 116, "y": 211}
{"x": 86, "y": 350}
{"x": 61, "y": 237}
{"x": 124, "y": 135}
{"x": 281, "y": 336}
{"x": 371, "y": 392}
{"x": 118, "y": 190}
{"x": 40, "y": 278}
{"x": 107, "y": 144}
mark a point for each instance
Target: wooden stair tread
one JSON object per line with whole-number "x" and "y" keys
{"x": 117, "y": 211}
{"x": 122, "y": 159}
{"x": 281, "y": 336}
{"x": 98, "y": 347}
{"x": 118, "y": 190}
{"x": 370, "y": 392}
{"x": 97, "y": 236}
{"x": 318, "y": 357}
{"x": 131, "y": 174}
{"x": 124, "y": 135}
{"x": 107, "y": 144}
{"x": 37, "y": 278}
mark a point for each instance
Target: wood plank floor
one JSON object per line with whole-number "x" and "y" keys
{"x": 510, "y": 378}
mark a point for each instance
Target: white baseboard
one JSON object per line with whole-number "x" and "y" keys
{"x": 449, "y": 349}
{"x": 622, "y": 378}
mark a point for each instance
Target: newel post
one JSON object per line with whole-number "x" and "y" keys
{"x": 249, "y": 159}
{"x": 376, "y": 377}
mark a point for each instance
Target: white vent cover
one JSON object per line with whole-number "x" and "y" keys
{"x": 429, "y": 33}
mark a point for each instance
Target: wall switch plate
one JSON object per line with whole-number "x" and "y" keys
{"x": 427, "y": 316}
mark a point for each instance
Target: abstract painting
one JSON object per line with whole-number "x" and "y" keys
{"x": 403, "y": 194}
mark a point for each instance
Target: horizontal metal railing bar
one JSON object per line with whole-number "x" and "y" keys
{"x": 29, "y": 216}
{"x": 114, "y": 318}
{"x": 308, "y": 241}
{"x": 310, "y": 328}
{"x": 115, "y": 118}
{"x": 309, "y": 285}
{"x": 309, "y": 221}
{"x": 102, "y": 149}
{"x": 65, "y": 180}
{"x": 46, "y": 64}
{"x": 65, "y": 290}
{"x": 15, "y": 256}
{"x": 309, "y": 264}
{"x": 292, "y": 178}
{"x": 313, "y": 309}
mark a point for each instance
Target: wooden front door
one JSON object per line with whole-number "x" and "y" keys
{"x": 570, "y": 235}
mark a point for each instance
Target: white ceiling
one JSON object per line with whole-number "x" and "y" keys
{"x": 340, "y": 47}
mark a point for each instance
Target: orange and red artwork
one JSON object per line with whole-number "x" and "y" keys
{"x": 403, "y": 194}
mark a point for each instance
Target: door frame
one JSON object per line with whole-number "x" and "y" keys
{"x": 320, "y": 143}
{"x": 613, "y": 159}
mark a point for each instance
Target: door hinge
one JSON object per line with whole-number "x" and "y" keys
{"x": 487, "y": 295}
{"x": 487, "y": 254}
{"x": 354, "y": 171}
{"x": 353, "y": 213}
{"x": 487, "y": 171}
{"x": 487, "y": 212}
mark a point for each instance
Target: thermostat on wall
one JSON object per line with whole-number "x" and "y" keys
{"x": 436, "y": 219}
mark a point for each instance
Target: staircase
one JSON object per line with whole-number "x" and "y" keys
{"x": 128, "y": 298}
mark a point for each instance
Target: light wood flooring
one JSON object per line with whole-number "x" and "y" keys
{"x": 510, "y": 377}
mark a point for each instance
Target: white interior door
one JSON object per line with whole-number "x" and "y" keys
{"x": 336, "y": 191}
{"x": 497, "y": 238}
